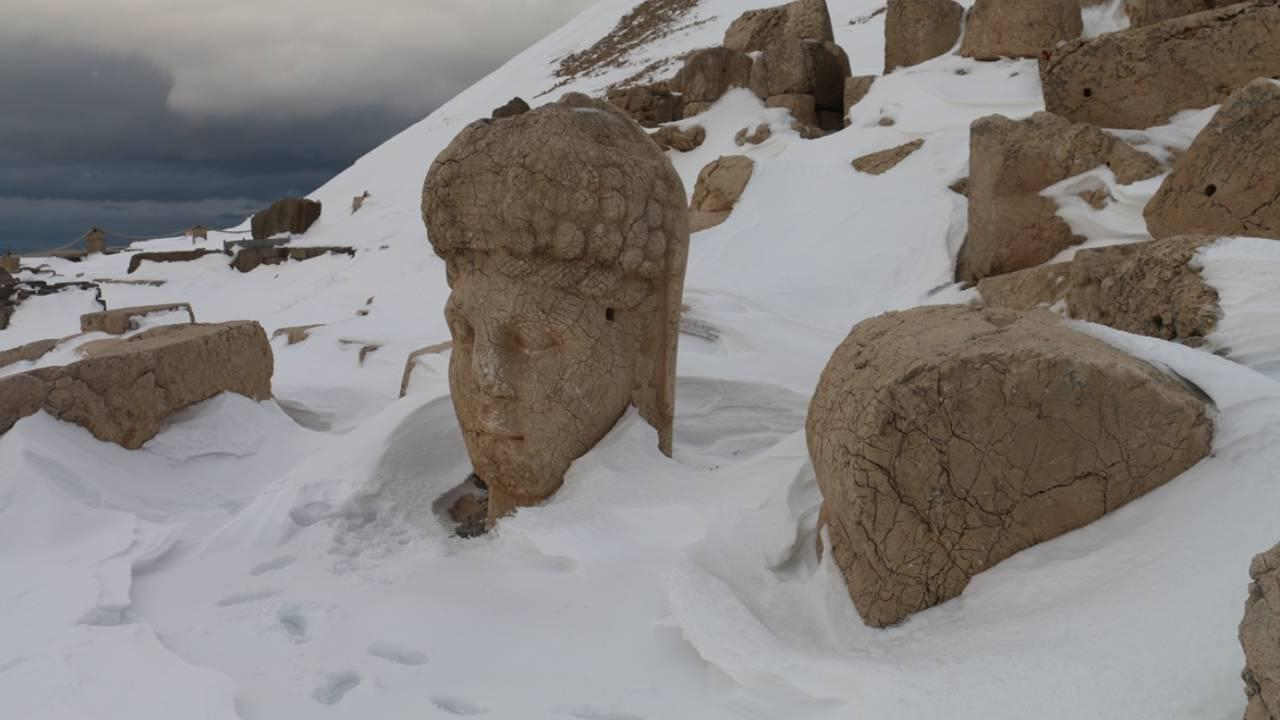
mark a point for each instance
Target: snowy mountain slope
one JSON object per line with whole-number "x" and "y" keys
{"x": 293, "y": 560}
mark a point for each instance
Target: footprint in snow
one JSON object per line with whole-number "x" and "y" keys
{"x": 273, "y": 564}
{"x": 397, "y": 653}
{"x": 335, "y": 687}
{"x": 587, "y": 712}
{"x": 294, "y": 623}
{"x": 458, "y": 706}
{"x": 244, "y": 598}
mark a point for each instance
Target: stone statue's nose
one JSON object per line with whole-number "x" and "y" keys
{"x": 490, "y": 366}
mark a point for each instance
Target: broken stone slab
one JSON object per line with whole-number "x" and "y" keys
{"x": 1228, "y": 181}
{"x": 412, "y": 362}
{"x": 136, "y": 260}
{"x": 801, "y": 20}
{"x": 249, "y": 258}
{"x": 670, "y": 137}
{"x": 1140, "y": 78}
{"x": 123, "y": 388}
{"x": 123, "y": 320}
{"x": 717, "y": 190}
{"x": 295, "y": 334}
{"x": 996, "y": 29}
{"x": 292, "y": 215}
{"x": 919, "y": 30}
{"x": 1260, "y": 638}
{"x": 1149, "y": 288}
{"x": 880, "y": 162}
{"x": 31, "y": 351}
{"x": 946, "y": 439}
{"x": 1011, "y": 225}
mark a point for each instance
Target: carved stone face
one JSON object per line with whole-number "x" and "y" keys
{"x": 538, "y": 376}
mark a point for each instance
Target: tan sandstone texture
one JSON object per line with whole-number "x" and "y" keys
{"x": 1148, "y": 288}
{"x": 564, "y": 233}
{"x": 1148, "y": 12}
{"x": 291, "y": 215}
{"x": 800, "y": 20}
{"x": 708, "y": 74}
{"x": 878, "y": 163}
{"x": 1139, "y": 78}
{"x": 945, "y": 439}
{"x": 648, "y": 105}
{"x": 1019, "y": 28}
{"x": 1260, "y": 637}
{"x": 1228, "y": 181}
{"x": 918, "y": 30}
{"x": 1011, "y": 226}
{"x": 719, "y": 186}
{"x": 804, "y": 67}
{"x": 514, "y": 106}
{"x": 855, "y": 88}
{"x": 124, "y": 387}
{"x": 671, "y": 137}
{"x": 123, "y": 320}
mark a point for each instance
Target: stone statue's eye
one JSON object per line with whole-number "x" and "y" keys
{"x": 533, "y": 338}
{"x": 460, "y": 329}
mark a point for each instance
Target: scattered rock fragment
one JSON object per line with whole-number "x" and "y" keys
{"x": 1141, "y": 77}
{"x": 124, "y": 387}
{"x": 747, "y": 136}
{"x": 1019, "y": 28}
{"x": 1228, "y": 181}
{"x": 250, "y": 257}
{"x": 295, "y": 334}
{"x": 670, "y": 137}
{"x": 123, "y": 320}
{"x": 719, "y": 186}
{"x": 1011, "y": 226}
{"x": 648, "y": 105}
{"x": 292, "y": 215}
{"x": 946, "y": 439}
{"x": 919, "y": 30}
{"x": 878, "y": 163}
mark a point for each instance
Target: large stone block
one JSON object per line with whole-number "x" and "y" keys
{"x": 1011, "y": 226}
{"x": 1149, "y": 12}
{"x": 918, "y": 30}
{"x": 123, "y": 320}
{"x": 136, "y": 260}
{"x": 946, "y": 439}
{"x": 1140, "y": 78}
{"x": 648, "y": 104}
{"x": 708, "y": 74}
{"x": 1019, "y": 28}
{"x": 1260, "y": 638}
{"x": 802, "y": 67}
{"x": 124, "y": 388}
{"x": 1228, "y": 181}
{"x": 290, "y": 215}
{"x": 800, "y": 20}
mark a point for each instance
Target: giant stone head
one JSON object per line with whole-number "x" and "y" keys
{"x": 564, "y": 234}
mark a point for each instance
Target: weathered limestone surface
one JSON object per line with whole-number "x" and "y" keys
{"x": 719, "y": 186}
{"x": 1228, "y": 181}
{"x": 1011, "y": 226}
{"x": 1019, "y": 28}
{"x": 919, "y": 30}
{"x": 565, "y": 234}
{"x": 946, "y": 439}
{"x": 123, "y": 388}
{"x": 123, "y": 320}
{"x": 878, "y": 163}
{"x": 1260, "y": 637}
{"x": 800, "y": 20}
{"x": 1140, "y": 78}
{"x": 289, "y": 215}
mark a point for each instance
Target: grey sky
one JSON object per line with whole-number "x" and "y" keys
{"x": 150, "y": 112}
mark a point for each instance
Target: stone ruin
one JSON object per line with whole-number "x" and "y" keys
{"x": 945, "y": 439}
{"x": 564, "y": 232}
{"x": 290, "y": 215}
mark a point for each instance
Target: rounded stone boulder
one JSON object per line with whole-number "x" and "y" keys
{"x": 945, "y": 439}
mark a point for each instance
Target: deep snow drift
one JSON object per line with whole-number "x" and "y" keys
{"x": 293, "y": 559}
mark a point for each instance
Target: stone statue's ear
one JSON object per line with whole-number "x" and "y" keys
{"x": 655, "y": 386}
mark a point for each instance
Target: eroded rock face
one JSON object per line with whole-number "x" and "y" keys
{"x": 878, "y": 163}
{"x": 719, "y": 186}
{"x": 1011, "y": 226}
{"x": 1019, "y": 28}
{"x": 800, "y": 20}
{"x": 1148, "y": 12}
{"x": 648, "y": 104}
{"x": 123, "y": 388}
{"x": 919, "y": 30}
{"x": 123, "y": 320}
{"x": 515, "y": 106}
{"x": 946, "y": 439}
{"x": 1260, "y": 637}
{"x": 1228, "y": 181}
{"x": 564, "y": 232}
{"x": 290, "y": 215}
{"x": 1140, "y": 78}
{"x": 708, "y": 74}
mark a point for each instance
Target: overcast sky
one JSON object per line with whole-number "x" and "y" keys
{"x": 152, "y": 115}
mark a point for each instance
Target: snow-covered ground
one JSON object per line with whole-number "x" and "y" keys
{"x": 291, "y": 558}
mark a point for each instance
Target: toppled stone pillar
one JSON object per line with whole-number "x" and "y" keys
{"x": 1140, "y": 78}
{"x": 564, "y": 233}
{"x": 945, "y": 439}
{"x": 1228, "y": 181}
{"x": 1019, "y": 28}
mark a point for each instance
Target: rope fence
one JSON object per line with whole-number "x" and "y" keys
{"x": 131, "y": 238}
